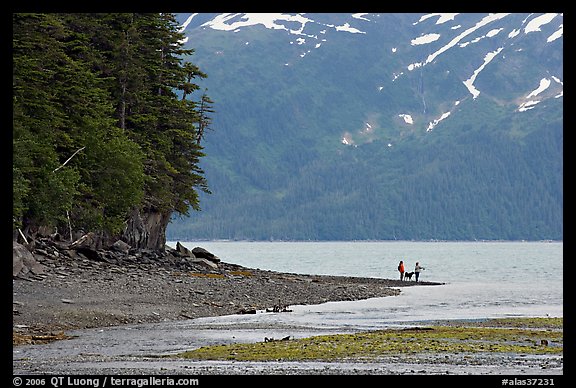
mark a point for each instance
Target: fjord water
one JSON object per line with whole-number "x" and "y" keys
{"x": 482, "y": 279}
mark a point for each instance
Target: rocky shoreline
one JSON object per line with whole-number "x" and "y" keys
{"x": 61, "y": 286}
{"x": 94, "y": 297}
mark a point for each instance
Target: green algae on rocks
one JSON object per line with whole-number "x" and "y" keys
{"x": 534, "y": 336}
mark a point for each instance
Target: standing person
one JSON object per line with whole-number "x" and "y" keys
{"x": 417, "y": 270}
{"x": 401, "y": 269}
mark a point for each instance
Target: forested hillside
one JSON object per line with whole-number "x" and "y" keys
{"x": 380, "y": 126}
{"x": 107, "y": 126}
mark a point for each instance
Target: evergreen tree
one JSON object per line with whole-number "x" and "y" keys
{"x": 102, "y": 142}
{"x": 85, "y": 173}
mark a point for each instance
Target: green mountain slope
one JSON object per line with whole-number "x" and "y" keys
{"x": 335, "y": 138}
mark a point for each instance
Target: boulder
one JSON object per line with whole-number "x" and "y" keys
{"x": 120, "y": 246}
{"x": 202, "y": 253}
{"x": 23, "y": 261}
{"x": 183, "y": 251}
{"x": 206, "y": 263}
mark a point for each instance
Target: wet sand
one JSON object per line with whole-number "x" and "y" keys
{"x": 141, "y": 349}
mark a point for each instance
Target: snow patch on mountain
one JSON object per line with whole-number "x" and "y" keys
{"x": 513, "y": 33}
{"x": 428, "y": 38}
{"x": 469, "y": 83}
{"x": 561, "y": 84}
{"x": 557, "y": 34}
{"x": 432, "y": 124}
{"x": 535, "y": 24}
{"x": 407, "y": 118}
{"x": 346, "y": 27}
{"x": 544, "y": 84}
{"x": 442, "y": 17}
{"x": 533, "y": 98}
{"x": 492, "y": 33}
{"x": 275, "y": 21}
{"x": 360, "y": 16}
{"x": 235, "y": 21}
{"x": 187, "y": 22}
{"x": 486, "y": 20}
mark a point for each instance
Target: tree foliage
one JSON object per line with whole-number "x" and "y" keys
{"x": 99, "y": 128}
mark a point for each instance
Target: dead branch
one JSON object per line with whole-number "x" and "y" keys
{"x": 63, "y": 164}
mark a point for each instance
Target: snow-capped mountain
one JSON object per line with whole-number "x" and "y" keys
{"x": 292, "y": 92}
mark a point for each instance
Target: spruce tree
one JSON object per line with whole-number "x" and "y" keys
{"x": 102, "y": 142}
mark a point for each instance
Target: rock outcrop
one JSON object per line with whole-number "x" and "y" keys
{"x": 119, "y": 253}
{"x": 24, "y": 264}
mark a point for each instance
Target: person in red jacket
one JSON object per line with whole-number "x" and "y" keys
{"x": 401, "y": 269}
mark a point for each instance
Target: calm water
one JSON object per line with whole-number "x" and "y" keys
{"x": 483, "y": 279}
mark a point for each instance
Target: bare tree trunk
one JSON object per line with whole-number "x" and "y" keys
{"x": 146, "y": 229}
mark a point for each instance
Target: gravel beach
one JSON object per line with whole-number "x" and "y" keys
{"x": 65, "y": 309}
{"x": 81, "y": 293}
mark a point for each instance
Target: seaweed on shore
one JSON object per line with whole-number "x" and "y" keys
{"x": 534, "y": 336}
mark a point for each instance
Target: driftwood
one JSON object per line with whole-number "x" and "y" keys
{"x": 279, "y": 308}
{"x": 23, "y": 237}
{"x": 271, "y": 339}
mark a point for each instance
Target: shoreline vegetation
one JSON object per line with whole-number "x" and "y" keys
{"x": 522, "y": 336}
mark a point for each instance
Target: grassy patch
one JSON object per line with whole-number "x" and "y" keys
{"x": 242, "y": 273}
{"x": 542, "y": 323}
{"x": 542, "y": 337}
{"x": 37, "y": 339}
{"x": 207, "y": 275}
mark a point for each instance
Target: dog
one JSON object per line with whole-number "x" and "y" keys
{"x": 408, "y": 275}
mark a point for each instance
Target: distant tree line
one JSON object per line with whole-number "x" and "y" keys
{"x": 476, "y": 183}
{"x": 107, "y": 125}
